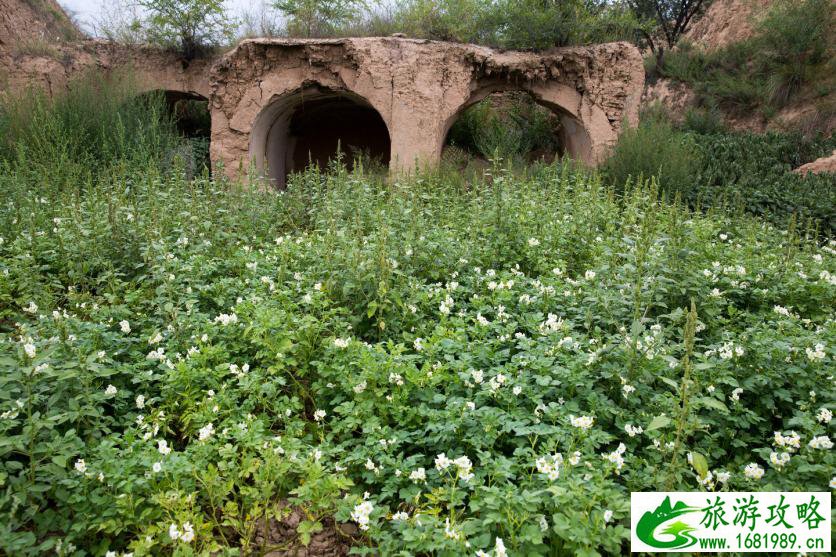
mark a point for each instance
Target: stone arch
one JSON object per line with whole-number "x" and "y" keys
{"x": 308, "y": 124}
{"x": 562, "y": 100}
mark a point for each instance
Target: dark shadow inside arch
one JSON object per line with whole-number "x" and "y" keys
{"x": 314, "y": 127}
{"x": 509, "y": 123}
{"x": 190, "y": 116}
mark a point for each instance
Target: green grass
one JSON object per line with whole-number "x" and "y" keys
{"x": 352, "y": 334}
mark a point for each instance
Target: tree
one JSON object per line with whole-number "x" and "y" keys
{"x": 190, "y": 26}
{"x": 672, "y": 17}
{"x": 317, "y": 18}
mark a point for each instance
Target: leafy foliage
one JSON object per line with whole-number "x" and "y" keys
{"x": 527, "y": 24}
{"x": 70, "y": 139}
{"x": 189, "y": 26}
{"x": 709, "y": 167}
{"x": 672, "y": 18}
{"x": 181, "y": 360}
{"x": 754, "y": 172}
{"x": 317, "y": 18}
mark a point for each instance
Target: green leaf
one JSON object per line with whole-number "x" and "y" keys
{"x": 658, "y": 422}
{"x": 306, "y": 528}
{"x": 700, "y": 464}
{"x": 709, "y": 402}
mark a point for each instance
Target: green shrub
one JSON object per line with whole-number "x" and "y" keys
{"x": 704, "y": 120}
{"x": 654, "y": 148}
{"x": 99, "y": 122}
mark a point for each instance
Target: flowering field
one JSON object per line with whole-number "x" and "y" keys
{"x": 481, "y": 370}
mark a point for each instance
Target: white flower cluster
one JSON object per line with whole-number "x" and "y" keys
{"x": 361, "y": 514}
{"x": 206, "y": 432}
{"x": 446, "y": 305}
{"x": 753, "y": 471}
{"x": 342, "y": 342}
{"x": 791, "y": 441}
{"x": 552, "y": 324}
{"x": 728, "y": 351}
{"x": 239, "y": 372}
{"x": 463, "y": 465}
{"x": 824, "y": 415}
{"x": 815, "y": 354}
{"x": 418, "y": 475}
{"x": 29, "y": 347}
{"x": 13, "y": 413}
{"x": 821, "y": 442}
{"x": 226, "y": 319}
{"x": 496, "y": 382}
{"x": 781, "y": 310}
{"x": 779, "y": 460}
{"x": 650, "y": 345}
{"x": 550, "y": 465}
{"x": 617, "y": 457}
{"x": 581, "y": 422}
{"x": 632, "y": 430}
{"x": 186, "y": 536}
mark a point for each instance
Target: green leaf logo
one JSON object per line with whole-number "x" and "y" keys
{"x": 681, "y": 532}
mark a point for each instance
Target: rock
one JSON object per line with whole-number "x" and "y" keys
{"x": 819, "y": 166}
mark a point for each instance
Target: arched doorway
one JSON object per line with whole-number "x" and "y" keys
{"x": 529, "y": 123}
{"x": 311, "y": 126}
{"x": 511, "y": 124}
{"x": 190, "y": 116}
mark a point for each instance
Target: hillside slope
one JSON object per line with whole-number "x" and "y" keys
{"x": 23, "y": 21}
{"x": 722, "y": 65}
{"x": 726, "y": 22}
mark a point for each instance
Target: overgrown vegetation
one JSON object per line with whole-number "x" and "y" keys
{"x": 672, "y": 20}
{"x": 526, "y": 24}
{"x": 510, "y": 125}
{"x": 706, "y": 166}
{"x": 450, "y": 366}
{"x": 791, "y": 53}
